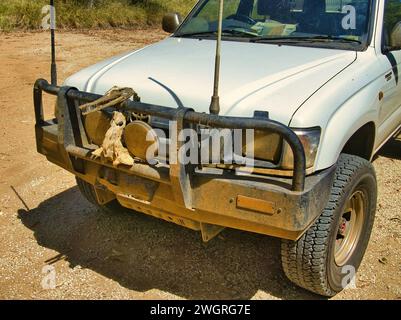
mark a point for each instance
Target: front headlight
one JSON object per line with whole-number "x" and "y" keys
{"x": 310, "y": 139}
{"x": 266, "y": 146}
{"x": 270, "y": 147}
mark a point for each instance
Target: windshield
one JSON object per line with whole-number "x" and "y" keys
{"x": 328, "y": 22}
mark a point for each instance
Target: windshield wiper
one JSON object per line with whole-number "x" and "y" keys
{"x": 289, "y": 39}
{"x": 227, "y": 32}
{"x": 196, "y": 34}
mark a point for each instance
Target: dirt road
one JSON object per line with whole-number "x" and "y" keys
{"x": 45, "y": 221}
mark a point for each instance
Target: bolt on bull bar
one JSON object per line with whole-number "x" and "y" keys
{"x": 72, "y": 134}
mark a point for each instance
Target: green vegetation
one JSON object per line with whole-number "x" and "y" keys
{"x": 27, "y": 14}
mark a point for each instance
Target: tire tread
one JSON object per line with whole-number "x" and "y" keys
{"x": 304, "y": 261}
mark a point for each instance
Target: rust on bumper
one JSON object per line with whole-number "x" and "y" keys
{"x": 202, "y": 199}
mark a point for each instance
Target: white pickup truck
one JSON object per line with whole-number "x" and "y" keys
{"x": 317, "y": 81}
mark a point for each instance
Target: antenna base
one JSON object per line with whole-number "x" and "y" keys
{"x": 215, "y": 105}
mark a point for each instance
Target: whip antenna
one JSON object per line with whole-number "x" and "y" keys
{"x": 215, "y": 103}
{"x": 53, "y": 70}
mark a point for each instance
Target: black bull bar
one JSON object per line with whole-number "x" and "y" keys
{"x": 73, "y": 136}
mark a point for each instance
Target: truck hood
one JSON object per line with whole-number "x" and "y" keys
{"x": 264, "y": 77}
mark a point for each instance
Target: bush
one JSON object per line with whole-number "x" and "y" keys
{"x": 27, "y": 14}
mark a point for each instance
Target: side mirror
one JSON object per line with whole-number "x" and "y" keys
{"x": 171, "y": 22}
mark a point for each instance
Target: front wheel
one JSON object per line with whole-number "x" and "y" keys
{"x": 323, "y": 259}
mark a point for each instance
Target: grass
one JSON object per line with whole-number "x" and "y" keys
{"x": 78, "y": 14}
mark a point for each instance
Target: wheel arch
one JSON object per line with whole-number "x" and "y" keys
{"x": 362, "y": 142}
{"x": 352, "y": 129}
{"x": 357, "y": 139}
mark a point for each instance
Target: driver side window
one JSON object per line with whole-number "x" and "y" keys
{"x": 211, "y": 10}
{"x": 392, "y": 18}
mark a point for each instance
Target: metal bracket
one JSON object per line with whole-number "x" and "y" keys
{"x": 210, "y": 231}
{"x": 179, "y": 172}
{"x": 103, "y": 195}
{"x": 70, "y": 126}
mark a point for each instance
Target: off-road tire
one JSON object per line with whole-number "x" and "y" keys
{"x": 88, "y": 191}
{"x": 310, "y": 262}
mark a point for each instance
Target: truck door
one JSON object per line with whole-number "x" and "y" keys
{"x": 391, "y": 61}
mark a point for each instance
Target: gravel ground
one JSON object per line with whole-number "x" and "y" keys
{"x": 44, "y": 221}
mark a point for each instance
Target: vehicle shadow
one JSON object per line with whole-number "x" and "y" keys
{"x": 143, "y": 253}
{"x": 392, "y": 149}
